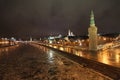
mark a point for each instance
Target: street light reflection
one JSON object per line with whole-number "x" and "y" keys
{"x": 79, "y": 53}
{"x": 50, "y": 56}
{"x": 117, "y": 58}
{"x": 109, "y": 56}
{"x": 3, "y": 50}
{"x": 103, "y": 57}
{"x": 61, "y": 48}
{"x": 54, "y": 46}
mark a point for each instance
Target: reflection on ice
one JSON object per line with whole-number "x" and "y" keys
{"x": 3, "y": 50}
{"x": 78, "y": 53}
{"x": 110, "y": 56}
{"x": 50, "y": 56}
{"x": 55, "y": 46}
{"x": 117, "y": 58}
{"x": 61, "y": 48}
{"x": 104, "y": 57}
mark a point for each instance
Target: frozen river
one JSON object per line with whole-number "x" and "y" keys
{"x": 34, "y": 62}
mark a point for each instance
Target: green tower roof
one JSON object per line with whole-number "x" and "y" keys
{"x": 92, "y": 21}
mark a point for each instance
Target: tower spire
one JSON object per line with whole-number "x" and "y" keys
{"x": 92, "y": 21}
{"x": 92, "y": 30}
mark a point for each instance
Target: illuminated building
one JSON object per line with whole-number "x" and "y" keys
{"x": 30, "y": 38}
{"x": 92, "y": 33}
{"x": 70, "y": 33}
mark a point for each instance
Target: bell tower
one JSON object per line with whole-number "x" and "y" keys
{"x": 92, "y": 33}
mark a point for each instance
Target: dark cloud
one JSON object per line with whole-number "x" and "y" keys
{"x": 23, "y": 18}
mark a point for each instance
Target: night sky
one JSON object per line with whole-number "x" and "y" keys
{"x": 25, "y": 18}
